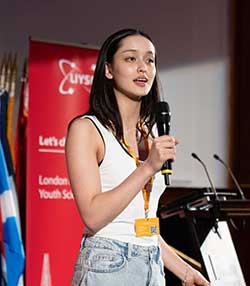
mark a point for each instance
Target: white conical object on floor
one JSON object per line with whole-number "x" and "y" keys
{"x": 46, "y": 275}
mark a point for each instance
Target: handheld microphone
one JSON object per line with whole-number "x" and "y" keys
{"x": 163, "y": 117}
{"x": 215, "y": 209}
{"x": 216, "y": 157}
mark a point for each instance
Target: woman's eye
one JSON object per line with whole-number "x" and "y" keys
{"x": 151, "y": 61}
{"x": 130, "y": 59}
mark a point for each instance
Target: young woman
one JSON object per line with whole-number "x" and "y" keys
{"x": 113, "y": 160}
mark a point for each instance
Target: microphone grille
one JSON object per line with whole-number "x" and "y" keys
{"x": 194, "y": 155}
{"x": 162, "y": 107}
{"x": 216, "y": 157}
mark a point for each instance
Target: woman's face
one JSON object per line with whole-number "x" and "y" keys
{"x": 133, "y": 67}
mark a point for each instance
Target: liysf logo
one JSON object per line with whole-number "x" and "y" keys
{"x": 72, "y": 77}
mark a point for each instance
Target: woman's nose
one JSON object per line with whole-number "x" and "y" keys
{"x": 141, "y": 66}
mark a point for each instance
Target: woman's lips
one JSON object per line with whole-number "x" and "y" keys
{"x": 140, "y": 81}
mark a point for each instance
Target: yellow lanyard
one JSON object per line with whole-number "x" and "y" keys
{"x": 148, "y": 186}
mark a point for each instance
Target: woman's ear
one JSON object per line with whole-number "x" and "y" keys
{"x": 108, "y": 72}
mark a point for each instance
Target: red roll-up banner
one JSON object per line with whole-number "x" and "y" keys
{"x": 60, "y": 78}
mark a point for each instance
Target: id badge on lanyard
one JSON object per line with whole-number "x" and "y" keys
{"x": 145, "y": 226}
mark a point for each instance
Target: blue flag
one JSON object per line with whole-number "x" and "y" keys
{"x": 13, "y": 247}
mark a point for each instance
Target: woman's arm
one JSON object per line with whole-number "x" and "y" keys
{"x": 84, "y": 149}
{"x": 188, "y": 275}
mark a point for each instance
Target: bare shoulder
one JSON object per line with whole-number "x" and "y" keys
{"x": 82, "y": 125}
{"x": 83, "y": 134}
{"x": 83, "y": 128}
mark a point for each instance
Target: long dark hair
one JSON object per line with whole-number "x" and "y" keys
{"x": 103, "y": 102}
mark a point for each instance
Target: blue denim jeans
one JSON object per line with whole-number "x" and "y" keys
{"x": 108, "y": 262}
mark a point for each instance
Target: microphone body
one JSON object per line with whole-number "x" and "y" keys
{"x": 216, "y": 157}
{"x": 163, "y": 117}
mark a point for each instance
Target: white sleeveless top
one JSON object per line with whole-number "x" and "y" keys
{"x": 116, "y": 166}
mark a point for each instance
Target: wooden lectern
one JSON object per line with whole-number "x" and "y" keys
{"x": 189, "y": 218}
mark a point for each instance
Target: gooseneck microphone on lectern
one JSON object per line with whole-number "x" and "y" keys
{"x": 163, "y": 117}
{"x": 232, "y": 175}
{"x": 209, "y": 179}
{"x": 216, "y": 199}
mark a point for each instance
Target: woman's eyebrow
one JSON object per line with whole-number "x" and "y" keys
{"x": 135, "y": 50}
